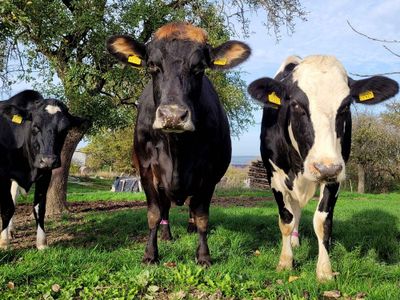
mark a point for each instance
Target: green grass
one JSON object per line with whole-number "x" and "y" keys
{"x": 102, "y": 260}
{"x": 97, "y": 189}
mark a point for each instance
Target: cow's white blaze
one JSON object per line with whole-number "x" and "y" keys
{"x": 324, "y": 81}
{"x": 52, "y": 109}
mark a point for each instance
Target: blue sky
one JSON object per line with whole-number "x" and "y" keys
{"x": 325, "y": 32}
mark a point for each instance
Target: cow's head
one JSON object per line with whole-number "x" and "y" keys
{"x": 176, "y": 58}
{"x": 41, "y": 127}
{"x": 314, "y": 96}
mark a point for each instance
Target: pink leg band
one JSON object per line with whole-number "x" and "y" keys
{"x": 295, "y": 233}
{"x": 164, "y": 222}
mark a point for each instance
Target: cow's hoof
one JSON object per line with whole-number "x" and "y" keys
{"x": 284, "y": 266}
{"x": 4, "y": 245}
{"x": 11, "y": 233}
{"x": 324, "y": 276}
{"x": 166, "y": 237}
{"x": 148, "y": 260}
{"x": 42, "y": 247}
{"x": 191, "y": 228}
{"x": 204, "y": 261}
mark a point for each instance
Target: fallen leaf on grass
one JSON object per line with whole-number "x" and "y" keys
{"x": 306, "y": 294}
{"x": 293, "y": 278}
{"x": 177, "y": 296}
{"x": 361, "y": 295}
{"x": 55, "y": 288}
{"x": 170, "y": 264}
{"x": 153, "y": 288}
{"x": 328, "y": 295}
{"x": 11, "y": 285}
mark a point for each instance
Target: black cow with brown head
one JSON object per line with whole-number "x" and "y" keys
{"x": 182, "y": 140}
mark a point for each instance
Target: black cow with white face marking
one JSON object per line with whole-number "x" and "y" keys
{"x": 182, "y": 141}
{"x": 306, "y": 138}
{"x": 32, "y": 134}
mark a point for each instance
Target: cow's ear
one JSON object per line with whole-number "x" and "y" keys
{"x": 267, "y": 91}
{"x": 15, "y": 114}
{"x": 127, "y": 50}
{"x": 373, "y": 90}
{"x": 229, "y": 55}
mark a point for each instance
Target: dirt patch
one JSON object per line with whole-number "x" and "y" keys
{"x": 25, "y": 235}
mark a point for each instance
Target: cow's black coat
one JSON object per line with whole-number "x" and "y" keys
{"x": 182, "y": 141}
{"x": 30, "y": 147}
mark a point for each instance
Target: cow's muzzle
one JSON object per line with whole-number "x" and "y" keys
{"x": 328, "y": 173}
{"x": 47, "y": 162}
{"x": 173, "y": 118}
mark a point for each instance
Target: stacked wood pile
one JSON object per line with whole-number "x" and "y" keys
{"x": 258, "y": 175}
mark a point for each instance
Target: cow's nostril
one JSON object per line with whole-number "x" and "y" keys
{"x": 184, "y": 116}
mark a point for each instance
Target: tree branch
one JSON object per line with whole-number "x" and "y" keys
{"x": 371, "y": 38}
{"x": 391, "y": 51}
{"x": 380, "y": 74}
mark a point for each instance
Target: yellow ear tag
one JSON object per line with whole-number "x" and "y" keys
{"x": 133, "y": 59}
{"x": 220, "y": 61}
{"x": 273, "y": 98}
{"x": 367, "y": 95}
{"x": 16, "y": 119}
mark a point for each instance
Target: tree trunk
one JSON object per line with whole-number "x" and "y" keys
{"x": 57, "y": 192}
{"x": 361, "y": 179}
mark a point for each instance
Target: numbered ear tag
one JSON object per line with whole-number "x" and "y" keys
{"x": 133, "y": 59}
{"x": 220, "y": 61}
{"x": 367, "y": 95}
{"x": 17, "y": 119}
{"x": 273, "y": 98}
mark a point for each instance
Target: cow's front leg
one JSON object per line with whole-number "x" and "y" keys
{"x": 7, "y": 211}
{"x": 153, "y": 219}
{"x": 323, "y": 229}
{"x": 39, "y": 209}
{"x": 200, "y": 207}
{"x": 164, "y": 223}
{"x": 14, "y": 195}
{"x": 286, "y": 225}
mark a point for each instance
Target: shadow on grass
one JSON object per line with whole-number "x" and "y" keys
{"x": 366, "y": 230}
{"x": 370, "y": 230}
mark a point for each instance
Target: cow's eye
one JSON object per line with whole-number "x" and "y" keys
{"x": 35, "y": 130}
{"x": 198, "y": 68}
{"x": 153, "y": 68}
{"x": 297, "y": 107}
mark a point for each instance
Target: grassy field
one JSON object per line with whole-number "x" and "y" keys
{"x": 102, "y": 258}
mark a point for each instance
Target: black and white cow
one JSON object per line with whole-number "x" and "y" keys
{"x": 305, "y": 141}
{"x": 182, "y": 142}
{"x": 32, "y": 133}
